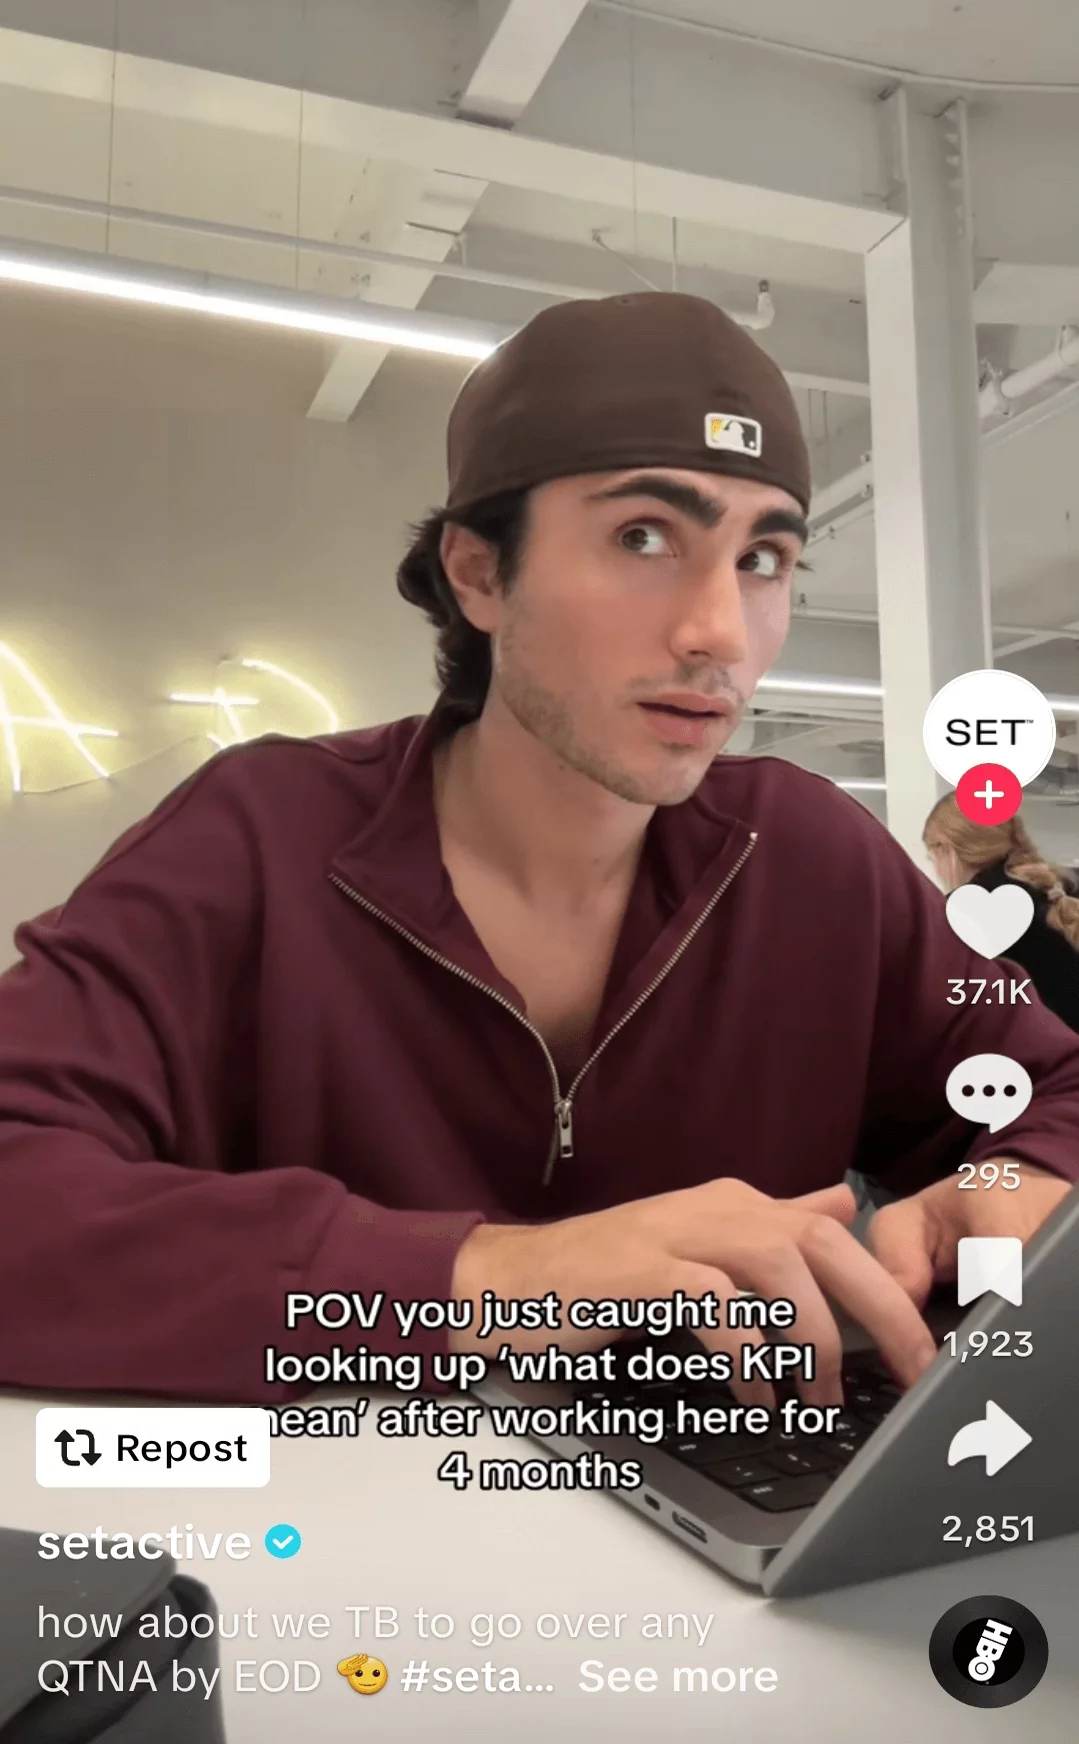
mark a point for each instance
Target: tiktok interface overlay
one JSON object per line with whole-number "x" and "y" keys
{"x": 989, "y": 734}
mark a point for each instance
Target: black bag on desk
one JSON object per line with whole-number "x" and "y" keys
{"x": 101, "y": 1712}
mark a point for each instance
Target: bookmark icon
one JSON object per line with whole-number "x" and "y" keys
{"x": 990, "y": 1262}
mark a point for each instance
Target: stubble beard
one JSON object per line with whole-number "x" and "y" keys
{"x": 548, "y": 718}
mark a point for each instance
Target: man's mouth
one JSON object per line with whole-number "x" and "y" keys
{"x": 685, "y": 713}
{"x": 686, "y": 720}
{"x": 692, "y": 708}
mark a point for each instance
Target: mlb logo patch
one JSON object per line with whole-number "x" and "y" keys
{"x": 739, "y": 435}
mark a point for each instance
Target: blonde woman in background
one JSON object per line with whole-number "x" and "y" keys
{"x": 994, "y": 854}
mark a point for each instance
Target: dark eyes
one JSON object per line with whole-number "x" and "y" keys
{"x": 637, "y": 539}
{"x": 763, "y": 560}
{"x": 649, "y": 539}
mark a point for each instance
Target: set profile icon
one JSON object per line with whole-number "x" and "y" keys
{"x": 989, "y": 734}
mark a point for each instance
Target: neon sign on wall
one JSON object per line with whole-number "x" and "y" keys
{"x": 47, "y": 716}
{"x": 228, "y": 706}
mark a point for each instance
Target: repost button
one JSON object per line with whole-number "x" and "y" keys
{"x": 159, "y": 1448}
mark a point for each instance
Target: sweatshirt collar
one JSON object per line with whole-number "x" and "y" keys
{"x": 394, "y": 867}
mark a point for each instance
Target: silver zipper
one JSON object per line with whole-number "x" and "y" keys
{"x": 561, "y": 1147}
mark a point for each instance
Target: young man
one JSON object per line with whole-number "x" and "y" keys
{"x": 539, "y": 994}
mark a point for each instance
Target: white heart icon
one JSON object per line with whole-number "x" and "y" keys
{"x": 990, "y": 920}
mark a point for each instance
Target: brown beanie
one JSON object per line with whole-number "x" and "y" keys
{"x": 656, "y": 378}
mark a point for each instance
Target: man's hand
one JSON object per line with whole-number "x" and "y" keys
{"x": 916, "y": 1239}
{"x": 722, "y": 1237}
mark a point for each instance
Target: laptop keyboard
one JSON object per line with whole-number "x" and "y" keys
{"x": 775, "y": 1472}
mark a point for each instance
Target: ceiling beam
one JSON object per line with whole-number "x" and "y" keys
{"x": 518, "y": 56}
{"x": 826, "y": 733}
{"x": 827, "y": 384}
{"x": 602, "y": 178}
{"x": 194, "y": 111}
{"x": 1016, "y": 295}
{"x": 424, "y": 221}
{"x": 1037, "y": 639}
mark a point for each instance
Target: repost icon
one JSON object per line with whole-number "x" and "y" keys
{"x": 990, "y": 1262}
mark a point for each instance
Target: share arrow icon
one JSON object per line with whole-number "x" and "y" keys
{"x": 996, "y": 1438}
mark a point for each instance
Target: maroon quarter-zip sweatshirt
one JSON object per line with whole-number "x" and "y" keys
{"x": 261, "y": 1049}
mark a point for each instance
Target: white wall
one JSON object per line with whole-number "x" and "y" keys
{"x": 163, "y": 502}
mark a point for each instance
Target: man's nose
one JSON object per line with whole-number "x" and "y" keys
{"x": 710, "y": 620}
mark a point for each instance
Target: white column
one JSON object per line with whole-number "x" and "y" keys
{"x": 932, "y": 574}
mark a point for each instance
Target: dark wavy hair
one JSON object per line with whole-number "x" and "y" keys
{"x": 463, "y": 653}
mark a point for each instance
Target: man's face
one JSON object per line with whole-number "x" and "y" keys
{"x": 647, "y": 605}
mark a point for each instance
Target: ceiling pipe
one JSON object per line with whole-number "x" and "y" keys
{"x": 999, "y": 393}
{"x": 854, "y": 485}
{"x": 870, "y": 620}
{"x": 864, "y": 689}
{"x": 765, "y": 312}
{"x": 761, "y": 316}
{"x": 997, "y": 398}
{"x": 1054, "y": 782}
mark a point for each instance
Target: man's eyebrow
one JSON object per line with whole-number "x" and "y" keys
{"x": 686, "y": 498}
{"x": 699, "y": 506}
{"x": 781, "y": 521}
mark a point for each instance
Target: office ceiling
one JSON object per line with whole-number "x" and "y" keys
{"x": 941, "y": 39}
{"x": 197, "y": 121}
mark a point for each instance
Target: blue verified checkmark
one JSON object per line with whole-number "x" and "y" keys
{"x": 282, "y": 1541}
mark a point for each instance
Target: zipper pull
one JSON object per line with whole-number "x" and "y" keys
{"x": 561, "y": 1138}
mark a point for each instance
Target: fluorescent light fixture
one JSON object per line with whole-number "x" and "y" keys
{"x": 863, "y": 786}
{"x": 810, "y": 686}
{"x": 235, "y": 299}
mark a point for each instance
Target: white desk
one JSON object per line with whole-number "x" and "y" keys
{"x": 379, "y": 1530}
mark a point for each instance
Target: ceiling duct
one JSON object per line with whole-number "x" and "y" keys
{"x": 1056, "y": 781}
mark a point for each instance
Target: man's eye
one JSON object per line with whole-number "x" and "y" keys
{"x": 644, "y": 539}
{"x": 763, "y": 560}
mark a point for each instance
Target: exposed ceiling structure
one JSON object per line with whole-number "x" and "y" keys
{"x": 516, "y": 152}
{"x": 942, "y": 41}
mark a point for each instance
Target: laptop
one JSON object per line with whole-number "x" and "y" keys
{"x": 114, "y": 1594}
{"x": 800, "y": 1514}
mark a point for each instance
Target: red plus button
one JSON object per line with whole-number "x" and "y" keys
{"x": 989, "y": 794}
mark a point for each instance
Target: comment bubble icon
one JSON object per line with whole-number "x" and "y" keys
{"x": 989, "y": 1089}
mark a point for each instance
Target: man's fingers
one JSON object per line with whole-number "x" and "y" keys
{"x": 696, "y": 1280}
{"x": 871, "y": 1295}
{"x": 838, "y": 1202}
{"x": 771, "y": 1274}
{"x": 900, "y": 1237}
